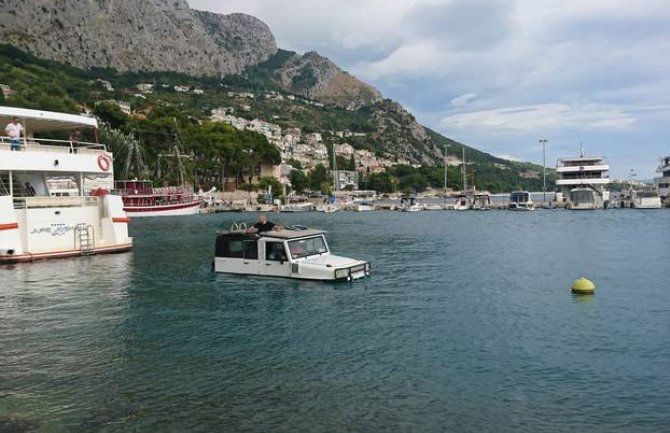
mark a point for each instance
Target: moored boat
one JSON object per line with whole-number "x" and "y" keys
{"x": 409, "y": 203}
{"x": 663, "y": 181}
{"x": 140, "y": 199}
{"x": 462, "y": 202}
{"x": 54, "y": 194}
{"x": 481, "y": 202}
{"x": 520, "y": 201}
{"x": 645, "y": 199}
{"x": 583, "y": 181}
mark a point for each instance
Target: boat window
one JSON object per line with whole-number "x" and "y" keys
{"x": 582, "y": 197}
{"x": 307, "y": 247}
{"x": 274, "y": 251}
{"x": 251, "y": 249}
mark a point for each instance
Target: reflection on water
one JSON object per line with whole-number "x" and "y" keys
{"x": 467, "y": 324}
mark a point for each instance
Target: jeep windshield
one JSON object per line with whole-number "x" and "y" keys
{"x": 307, "y": 247}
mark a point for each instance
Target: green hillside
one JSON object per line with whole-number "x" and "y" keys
{"x": 220, "y": 152}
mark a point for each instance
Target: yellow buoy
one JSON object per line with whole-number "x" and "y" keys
{"x": 583, "y": 286}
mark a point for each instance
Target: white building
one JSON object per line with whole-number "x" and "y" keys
{"x": 313, "y": 138}
{"x": 6, "y": 90}
{"x": 106, "y": 84}
{"x": 344, "y": 149}
{"x": 145, "y": 87}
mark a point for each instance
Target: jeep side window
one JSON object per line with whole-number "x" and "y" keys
{"x": 274, "y": 251}
{"x": 251, "y": 250}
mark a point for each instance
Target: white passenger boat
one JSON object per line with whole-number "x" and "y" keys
{"x": 520, "y": 201}
{"x": 54, "y": 199}
{"x": 291, "y": 252}
{"x": 663, "y": 181}
{"x": 583, "y": 181}
{"x": 645, "y": 199}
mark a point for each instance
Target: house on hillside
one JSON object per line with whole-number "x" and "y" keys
{"x": 145, "y": 88}
{"x": 346, "y": 180}
{"x": 106, "y": 85}
{"x": 6, "y": 90}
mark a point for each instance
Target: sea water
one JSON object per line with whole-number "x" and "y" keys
{"x": 466, "y": 325}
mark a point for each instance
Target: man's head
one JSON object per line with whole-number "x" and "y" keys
{"x": 15, "y": 120}
{"x": 262, "y": 218}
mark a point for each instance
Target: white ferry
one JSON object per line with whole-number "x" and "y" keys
{"x": 53, "y": 193}
{"x": 583, "y": 181}
{"x": 291, "y": 252}
{"x": 663, "y": 181}
{"x": 520, "y": 200}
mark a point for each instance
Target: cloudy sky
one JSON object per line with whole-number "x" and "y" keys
{"x": 501, "y": 74}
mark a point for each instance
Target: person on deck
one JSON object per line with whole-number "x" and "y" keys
{"x": 263, "y": 225}
{"x": 75, "y": 138}
{"x": 13, "y": 131}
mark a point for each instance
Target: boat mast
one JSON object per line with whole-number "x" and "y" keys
{"x": 465, "y": 182}
{"x": 334, "y": 170}
{"x": 446, "y": 147}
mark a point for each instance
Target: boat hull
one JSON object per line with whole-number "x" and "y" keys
{"x": 6, "y": 259}
{"x": 160, "y": 211}
{"x": 38, "y": 228}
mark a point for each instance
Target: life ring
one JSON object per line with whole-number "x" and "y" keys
{"x": 104, "y": 162}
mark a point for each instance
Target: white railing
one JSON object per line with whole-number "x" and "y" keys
{"x": 50, "y": 145}
{"x": 46, "y": 202}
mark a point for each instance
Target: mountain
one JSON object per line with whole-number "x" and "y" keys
{"x": 167, "y": 35}
{"x": 134, "y": 35}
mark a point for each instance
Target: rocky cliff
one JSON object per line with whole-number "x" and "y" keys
{"x": 132, "y": 35}
{"x": 167, "y": 35}
{"x": 397, "y": 129}
{"x": 318, "y": 78}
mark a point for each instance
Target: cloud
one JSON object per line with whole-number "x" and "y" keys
{"x": 542, "y": 118}
{"x": 463, "y": 100}
{"x": 463, "y": 24}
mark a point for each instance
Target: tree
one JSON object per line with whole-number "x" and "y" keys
{"x": 265, "y": 182}
{"x": 111, "y": 114}
{"x": 298, "y": 181}
{"x": 320, "y": 175}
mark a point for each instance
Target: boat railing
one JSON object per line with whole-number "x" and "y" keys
{"x": 31, "y": 144}
{"x": 577, "y": 162}
{"x": 47, "y": 202}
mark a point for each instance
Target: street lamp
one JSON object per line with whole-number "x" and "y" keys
{"x": 446, "y": 146}
{"x": 543, "y": 142}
